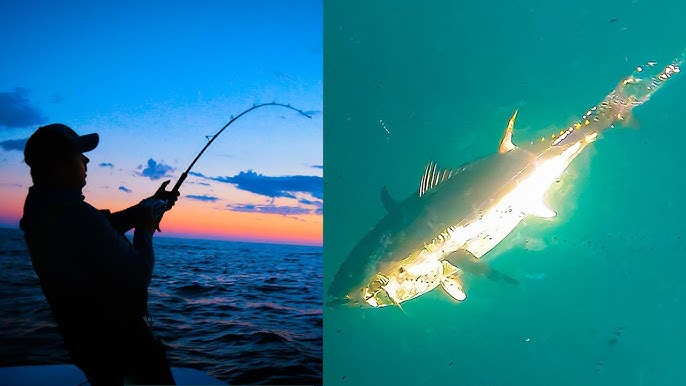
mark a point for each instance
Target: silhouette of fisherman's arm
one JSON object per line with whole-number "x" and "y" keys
{"x": 129, "y": 264}
{"x": 125, "y": 220}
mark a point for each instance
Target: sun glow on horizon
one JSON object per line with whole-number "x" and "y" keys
{"x": 193, "y": 219}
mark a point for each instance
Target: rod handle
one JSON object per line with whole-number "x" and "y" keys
{"x": 179, "y": 182}
{"x": 174, "y": 189}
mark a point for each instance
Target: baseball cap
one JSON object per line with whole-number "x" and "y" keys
{"x": 56, "y": 139}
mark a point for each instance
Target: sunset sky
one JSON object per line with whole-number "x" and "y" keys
{"x": 154, "y": 80}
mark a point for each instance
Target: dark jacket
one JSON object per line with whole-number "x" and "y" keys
{"x": 90, "y": 273}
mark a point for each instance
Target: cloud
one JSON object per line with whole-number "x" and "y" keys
{"x": 202, "y": 198}
{"x": 124, "y": 189}
{"x": 310, "y": 202}
{"x": 274, "y": 187}
{"x": 317, "y": 166}
{"x": 201, "y": 176}
{"x": 269, "y": 209}
{"x": 155, "y": 170}
{"x": 319, "y": 204}
{"x": 11, "y": 184}
{"x": 106, "y": 165}
{"x": 17, "y": 111}
{"x": 14, "y": 144}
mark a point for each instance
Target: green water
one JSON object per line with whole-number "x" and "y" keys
{"x": 602, "y": 295}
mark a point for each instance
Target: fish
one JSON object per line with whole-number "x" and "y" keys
{"x": 437, "y": 236}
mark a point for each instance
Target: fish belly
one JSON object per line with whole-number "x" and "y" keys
{"x": 415, "y": 280}
{"x": 495, "y": 226}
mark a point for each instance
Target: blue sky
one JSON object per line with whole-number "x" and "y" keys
{"x": 153, "y": 79}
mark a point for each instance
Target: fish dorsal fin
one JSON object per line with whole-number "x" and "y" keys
{"x": 506, "y": 143}
{"x": 388, "y": 202}
{"x": 433, "y": 176}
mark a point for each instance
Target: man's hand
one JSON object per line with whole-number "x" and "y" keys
{"x": 169, "y": 197}
{"x": 152, "y": 211}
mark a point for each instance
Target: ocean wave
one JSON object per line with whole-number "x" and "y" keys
{"x": 212, "y": 304}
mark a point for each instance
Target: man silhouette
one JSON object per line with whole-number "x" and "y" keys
{"x": 94, "y": 279}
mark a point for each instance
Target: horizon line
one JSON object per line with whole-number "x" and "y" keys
{"x": 210, "y": 238}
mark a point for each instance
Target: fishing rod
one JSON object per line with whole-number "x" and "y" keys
{"x": 176, "y": 187}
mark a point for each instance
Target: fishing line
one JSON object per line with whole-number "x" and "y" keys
{"x": 176, "y": 187}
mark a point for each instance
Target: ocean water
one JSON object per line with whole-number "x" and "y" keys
{"x": 244, "y": 313}
{"x": 601, "y": 298}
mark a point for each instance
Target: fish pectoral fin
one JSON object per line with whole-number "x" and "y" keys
{"x": 540, "y": 209}
{"x": 388, "y": 202}
{"x": 458, "y": 258}
{"x": 496, "y": 275}
{"x": 453, "y": 287}
{"x": 474, "y": 266}
{"x": 506, "y": 143}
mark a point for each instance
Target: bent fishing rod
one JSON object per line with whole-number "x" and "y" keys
{"x": 184, "y": 175}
